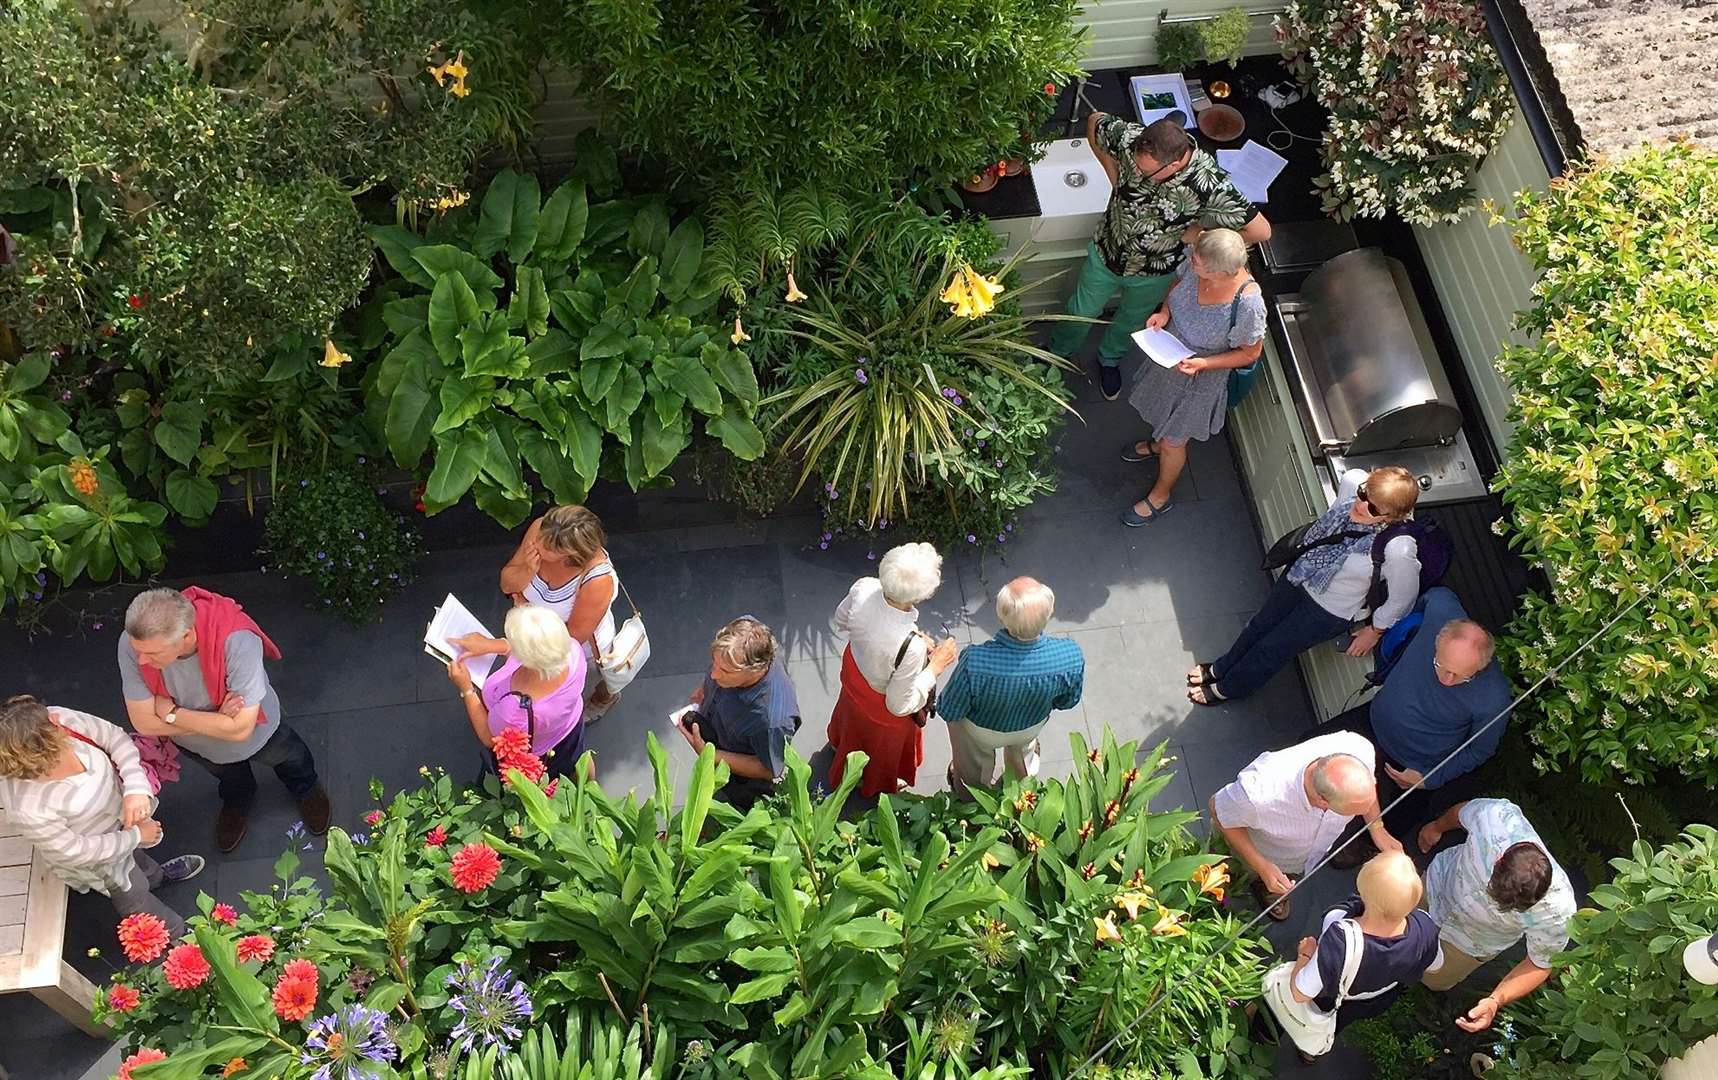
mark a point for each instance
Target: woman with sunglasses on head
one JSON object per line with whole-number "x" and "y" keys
{"x": 1322, "y": 593}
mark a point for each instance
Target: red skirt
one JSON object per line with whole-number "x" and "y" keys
{"x": 862, "y": 721}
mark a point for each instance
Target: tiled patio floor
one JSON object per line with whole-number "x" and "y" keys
{"x": 1143, "y": 604}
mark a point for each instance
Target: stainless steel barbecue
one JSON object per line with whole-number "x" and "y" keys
{"x": 1366, "y": 378}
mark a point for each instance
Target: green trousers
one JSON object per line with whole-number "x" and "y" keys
{"x": 1140, "y": 296}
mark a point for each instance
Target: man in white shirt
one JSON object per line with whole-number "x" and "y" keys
{"x": 1490, "y": 892}
{"x": 1288, "y": 806}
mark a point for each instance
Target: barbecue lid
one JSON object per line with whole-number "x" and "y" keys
{"x": 1370, "y": 358}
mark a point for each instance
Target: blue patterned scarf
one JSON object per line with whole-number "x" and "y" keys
{"x": 1315, "y": 569}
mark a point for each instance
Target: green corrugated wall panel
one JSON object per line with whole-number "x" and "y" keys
{"x": 1481, "y": 279}
{"x": 1124, "y": 32}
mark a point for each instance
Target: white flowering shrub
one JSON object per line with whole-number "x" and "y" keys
{"x": 1612, "y": 477}
{"x": 1416, "y": 99}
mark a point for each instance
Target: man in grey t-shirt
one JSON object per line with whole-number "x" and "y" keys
{"x": 224, "y": 736}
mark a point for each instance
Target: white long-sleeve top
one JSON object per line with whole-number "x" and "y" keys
{"x": 875, "y": 631}
{"x": 74, "y": 822}
{"x": 1345, "y": 596}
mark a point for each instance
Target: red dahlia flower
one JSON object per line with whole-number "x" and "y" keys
{"x": 122, "y": 998}
{"x": 144, "y": 937}
{"x": 224, "y": 913}
{"x": 258, "y": 947}
{"x": 436, "y": 837}
{"x": 185, "y": 967}
{"x": 143, "y": 1057}
{"x": 294, "y": 998}
{"x": 475, "y": 867}
{"x": 300, "y": 969}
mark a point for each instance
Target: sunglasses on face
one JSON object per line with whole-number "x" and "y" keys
{"x": 1371, "y": 507}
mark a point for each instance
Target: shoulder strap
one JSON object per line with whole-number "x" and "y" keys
{"x": 530, "y": 708}
{"x": 1235, "y": 304}
{"x": 1354, "y": 946}
{"x": 81, "y": 737}
{"x": 901, "y": 653}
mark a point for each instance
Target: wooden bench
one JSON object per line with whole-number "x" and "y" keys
{"x": 33, "y": 935}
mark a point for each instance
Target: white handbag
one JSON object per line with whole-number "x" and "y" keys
{"x": 1312, "y": 1030}
{"x": 629, "y": 649}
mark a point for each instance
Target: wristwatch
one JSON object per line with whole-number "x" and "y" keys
{"x": 172, "y": 717}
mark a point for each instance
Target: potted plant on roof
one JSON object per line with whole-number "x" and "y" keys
{"x": 985, "y": 178}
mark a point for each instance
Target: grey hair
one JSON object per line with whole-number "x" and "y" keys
{"x": 1024, "y": 606}
{"x": 159, "y": 613}
{"x": 1340, "y": 778}
{"x": 746, "y": 644}
{"x": 910, "y": 573}
{"x": 539, "y": 640}
{"x": 1222, "y": 251}
{"x": 1479, "y": 635}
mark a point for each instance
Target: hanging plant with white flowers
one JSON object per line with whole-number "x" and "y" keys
{"x": 1416, "y": 97}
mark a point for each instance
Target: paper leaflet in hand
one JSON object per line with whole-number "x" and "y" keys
{"x": 453, "y": 619}
{"x": 1164, "y": 348}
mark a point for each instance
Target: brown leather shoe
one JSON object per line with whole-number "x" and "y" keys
{"x": 230, "y": 827}
{"x": 315, "y": 810}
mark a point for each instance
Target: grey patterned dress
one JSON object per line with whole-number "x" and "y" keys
{"x": 1181, "y": 406}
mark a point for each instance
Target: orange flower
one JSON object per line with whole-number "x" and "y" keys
{"x": 1169, "y": 922}
{"x": 84, "y": 479}
{"x": 122, "y": 998}
{"x": 294, "y": 998}
{"x": 257, "y": 947}
{"x": 186, "y": 967}
{"x": 1211, "y": 877}
{"x": 144, "y": 1056}
{"x": 234, "y": 1067}
{"x": 1106, "y": 929}
{"x": 143, "y": 936}
{"x": 1131, "y": 902}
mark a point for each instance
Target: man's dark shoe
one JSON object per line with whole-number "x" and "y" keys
{"x": 316, "y": 811}
{"x": 183, "y": 868}
{"x": 1356, "y": 854}
{"x": 230, "y": 827}
{"x": 1110, "y": 379}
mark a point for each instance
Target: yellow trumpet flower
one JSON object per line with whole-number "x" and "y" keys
{"x": 332, "y": 356}
{"x": 984, "y": 290}
{"x": 739, "y": 333}
{"x": 1131, "y": 902}
{"x": 970, "y": 294}
{"x": 794, "y": 296}
{"x": 1106, "y": 929}
{"x": 1211, "y": 878}
{"x": 1169, "y": 922}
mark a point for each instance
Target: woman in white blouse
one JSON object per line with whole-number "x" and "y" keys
{"x": 1322, "y": 594}
{"x": 562, "y": 564}
{"x": 889, "y": 669}
{"x": 73, "y": 786}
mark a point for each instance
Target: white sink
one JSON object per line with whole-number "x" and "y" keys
{"x": 1073, "y": 190}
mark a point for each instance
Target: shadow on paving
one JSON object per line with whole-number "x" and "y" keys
{"x": 1144, "y": 604}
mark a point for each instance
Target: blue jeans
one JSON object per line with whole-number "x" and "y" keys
{"x": 1290, "y": 623}
{"x": 285, "y": 752}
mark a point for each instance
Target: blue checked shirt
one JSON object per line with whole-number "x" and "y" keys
{"x": 1010, "y": 685}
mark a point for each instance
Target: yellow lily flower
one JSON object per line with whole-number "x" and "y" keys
{"x": 1131, "y": 902}
{"x": 438, "y": 72}
{"x": 456, "y": 66}
{"x": 739, "y": 333}
{"x": 984, "y": 290}
{"x": 332, "y": 356}
{"x": 1169, "y": 922}
{"x": 459, "y": 89}
{"x": 1106, "y": 929}
{"x": 1211, "y": 878}
{"x": 794, "y": 296}
{"x": 956, "y": 294}
{"x": 448, "y": 202}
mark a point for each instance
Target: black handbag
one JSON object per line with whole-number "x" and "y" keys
{"x": 1293, "y": 544}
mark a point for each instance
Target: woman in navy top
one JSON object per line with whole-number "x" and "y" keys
{"x": 1401, "y": 943}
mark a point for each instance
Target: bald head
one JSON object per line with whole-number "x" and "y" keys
{"x": 1463, "y": 649}
{"x": 1024, "y": 607}
{"x": 1343, "y": 782}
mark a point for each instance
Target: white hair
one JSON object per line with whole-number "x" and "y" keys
{"x": 1222, "y": 251}
{"x": 910, "y": 573}
{"x": 1342, "y": 780}
{"x": 1025, "y": 605}
{"x": 539, "y": 640}
{"x": 159, "y": 613}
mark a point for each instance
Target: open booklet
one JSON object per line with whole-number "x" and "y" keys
{"x": 453, "y": 619}
{"x": 1162, "y": 346}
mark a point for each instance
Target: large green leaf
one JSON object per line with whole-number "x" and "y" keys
{"x": 583, "y": 445}
{"x": 597, "y": 377}
{"x": 192, "y": 497}
{"x": 452, "y": 305}
{"x": 179, "y": 432}
{"x": 638, "y": 292}
{"x": 461, "y": 399}
{"x": 733, "y": 369}
{"x": 501, "y": 459}
{"x": 562, "y": 224}
{"x": 458, "y": 457}
{"x": 241, "y": 994}
{"x": 649, "y": 232}
{"x": 412, "y": 409}
{"x": 482, "y": 336}
{"x": 622, "y": 400}
{"x": 553, "y": 467}
{"x": 397, "y": 244}
{"x": 686, "y": 375}
{"x": 443, "y": 259}
{"x": 605, "y": 339}
{"x": 552, "y": 354}
{"x": 11, "y": 438}
{"x": 739, "y": 436}
{"x": 407, "y": 313}
{"x": 661, "y": 443}
{"x": 29, "y": 372}
{"x": 508, "y": 220}
{"x": 681, "y": 257}
{"x": 575, "y": 309}
{"x": 529, "y": 308}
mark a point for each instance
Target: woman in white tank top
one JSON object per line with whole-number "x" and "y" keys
{"x": 563, "y": 565}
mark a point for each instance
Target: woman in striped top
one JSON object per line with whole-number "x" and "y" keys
{"x": 73, "y": 786}
{"x": 562, "y": 564}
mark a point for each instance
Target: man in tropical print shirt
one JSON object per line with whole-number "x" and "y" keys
{"x": 1164, "y": 191}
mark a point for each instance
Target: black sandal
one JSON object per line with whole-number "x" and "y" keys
{"x": 1208, "y": 695}
{"x": 1206, "y": 676}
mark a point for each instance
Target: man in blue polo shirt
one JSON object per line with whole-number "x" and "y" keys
{"x": 1445, "y": 686}
{"x": 1003, "y": 691}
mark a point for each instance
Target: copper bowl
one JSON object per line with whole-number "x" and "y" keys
{"x": 1222, "y": 123}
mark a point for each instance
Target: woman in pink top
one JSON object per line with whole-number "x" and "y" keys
{"x": 538, "y": 689}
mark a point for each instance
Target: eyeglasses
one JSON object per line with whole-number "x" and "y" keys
{"x": 1442, "y": 670}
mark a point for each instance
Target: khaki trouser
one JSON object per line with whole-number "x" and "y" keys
{"x": 975, "y": 750}
{"x": 1457, "y": 966}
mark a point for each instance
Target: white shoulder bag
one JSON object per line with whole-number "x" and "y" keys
{"x": 629, "y": 649}
{"x": 1312, "y": 1029}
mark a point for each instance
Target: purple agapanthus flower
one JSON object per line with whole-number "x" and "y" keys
{"x": 971, "y": 539}
{"x": 863, "y": 378}
{"x": 492, "y": 1005}
{"x": 346, "y": 1045}
{"x": 948, "y": 392}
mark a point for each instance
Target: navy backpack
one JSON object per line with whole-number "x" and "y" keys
{"x": 1435, "y": 553}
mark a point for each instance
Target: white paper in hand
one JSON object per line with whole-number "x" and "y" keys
{"x": 1164, "y": 348}
{"x": 679, "y": 716}
{"x": 453, "y": 619}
